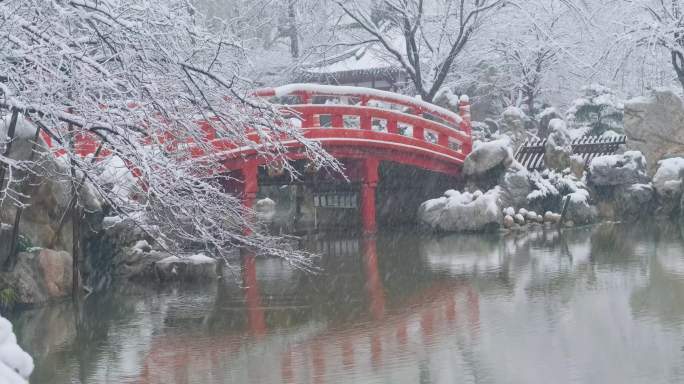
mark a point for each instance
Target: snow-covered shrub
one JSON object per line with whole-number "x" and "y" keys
{"x": 597, "y": 111}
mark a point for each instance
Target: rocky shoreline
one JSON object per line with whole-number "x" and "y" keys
{"x": 499, "y": 193}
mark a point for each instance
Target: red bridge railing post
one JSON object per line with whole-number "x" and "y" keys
{"x": 466, "y": 124}
{"x": 369, "y": 182}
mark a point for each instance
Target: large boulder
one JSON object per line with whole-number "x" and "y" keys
{"x": 633, "y": 202}
{"x": 626, "y": 169}
{"x": 196, "y": 268}
{"x": 654, "y": 124}
{"x": 39, "y": 276}
{"x": 487, "y": 156}
{"x": 558, "y": 148}
{"x": 49, "y": 195}
{"x": 463, "y": 211}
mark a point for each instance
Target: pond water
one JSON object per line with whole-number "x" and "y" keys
{"x": 601, "y": 304}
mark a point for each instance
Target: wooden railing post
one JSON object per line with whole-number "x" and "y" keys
{"x": 418, "y": 132}
{"x": 392, "y": 127}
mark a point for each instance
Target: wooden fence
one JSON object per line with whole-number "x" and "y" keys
{"x": 531, "y": 152}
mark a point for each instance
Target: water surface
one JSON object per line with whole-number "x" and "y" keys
{"x": 596, "y": 305}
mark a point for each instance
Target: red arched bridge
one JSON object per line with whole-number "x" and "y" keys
{"x": 363, "y": 127}
{"x": 360, "y": 127}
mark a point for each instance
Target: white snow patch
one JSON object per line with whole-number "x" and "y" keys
{"x": 15, "y": 364}
{"x": 201, "y": 259}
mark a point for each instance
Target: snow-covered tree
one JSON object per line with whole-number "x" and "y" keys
{"x": 597, "y": 111}
{"x": 422, "y": 37}
{"x": 128, "y": 74}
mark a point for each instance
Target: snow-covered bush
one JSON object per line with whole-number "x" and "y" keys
{"x": 597, "y": 111}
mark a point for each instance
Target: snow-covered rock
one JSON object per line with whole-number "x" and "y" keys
{"x": 265, "y": 209}
{"x": 668, "y": 177}
{"x": 553, "y": 218}
{"x": 48, "y": 200}
{"x": 508, "y": 221}
{"x": 463, "y": 211}
{"x": 668, "y": 185}
{"x": 628, "y": 168}
{"x": 519, "y": 219}
{"x": 39, "y": 276}
{"x": 654, "y": 124}
{"x": 489, "y": 155}
{"x": 634, "y": 201}
{"x": 580, "y": 211}
{"x": 516, "y": 186}
{"x": 15, "y": 364}
{"x": 558, "y": 147}
{"x": 191, "y": 268}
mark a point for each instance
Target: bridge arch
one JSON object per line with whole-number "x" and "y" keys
{"x": 365, "y": 126}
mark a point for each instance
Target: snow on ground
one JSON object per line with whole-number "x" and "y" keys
{"x": 15, "y": 364}
{"x": 668, "y": 178}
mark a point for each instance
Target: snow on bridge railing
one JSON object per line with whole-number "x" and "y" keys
{"x": 341, "y": 104}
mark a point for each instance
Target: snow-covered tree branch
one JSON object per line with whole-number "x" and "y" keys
{"x": 133, "y": 76}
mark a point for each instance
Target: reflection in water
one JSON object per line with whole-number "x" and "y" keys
{"x": 602, "y": 304}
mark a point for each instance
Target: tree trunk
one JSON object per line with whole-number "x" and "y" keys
{"x": 292, "y": 30}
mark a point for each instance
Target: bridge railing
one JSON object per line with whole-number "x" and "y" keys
{"x": 369, "y": 109}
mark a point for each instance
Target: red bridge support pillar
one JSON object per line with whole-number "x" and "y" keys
{"x": 244, "y": 184}
{"x": 250, "y": 186}
{"x": 369, "y": 183}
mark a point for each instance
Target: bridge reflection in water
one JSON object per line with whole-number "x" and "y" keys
{"x": 385, "y": 331}
{"x": 601, "y": 304}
